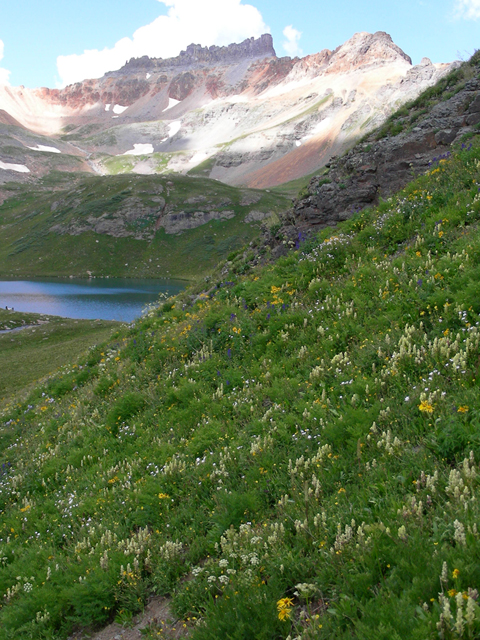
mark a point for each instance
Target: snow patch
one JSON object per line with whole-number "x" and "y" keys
{"x": 119, "y": 109}
{"x": 42, "y": 147}
{"x": 174, "y": 127}
{"x": 139, "y": 150}
{"x": 20, "y": 168}
{"x": 107, "y": 107}
{"x": 171, "y": 103}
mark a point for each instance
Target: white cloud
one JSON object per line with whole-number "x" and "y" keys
{"x": 468, "y": 9}
{"x": 4, "y": 74}
{"x": 292, "y": 39}
{"x": 205, "y": 22}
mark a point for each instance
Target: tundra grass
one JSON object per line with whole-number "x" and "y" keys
{"x": 293, "y": 454}
{"x": 119, "y": 164}
{"x": 34, "y": 241}
{"x": 49, "y": 342}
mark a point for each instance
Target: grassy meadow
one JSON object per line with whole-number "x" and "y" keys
{"x": 44, "y": 344}
{"x": 293, "y": 453}
{"x": 34, "y": 222}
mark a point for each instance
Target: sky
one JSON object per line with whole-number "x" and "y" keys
{"x": 58, "y": 42}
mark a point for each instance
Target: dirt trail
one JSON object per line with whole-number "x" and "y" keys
{"x": 156, "y": 614}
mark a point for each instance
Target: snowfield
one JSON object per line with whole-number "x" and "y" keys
{"x": 20, "y": 168}
{"x": 139, "y": 150}
{"x": 42, "y": 147}
{"x": 171, "y": 103}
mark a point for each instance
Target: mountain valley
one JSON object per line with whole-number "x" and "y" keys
{"x": 222, "y": 125}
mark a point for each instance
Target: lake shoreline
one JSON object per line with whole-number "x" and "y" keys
{"x": 18, "y": 278}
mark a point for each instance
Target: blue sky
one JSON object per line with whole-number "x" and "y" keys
{"x": 44, "y": 42}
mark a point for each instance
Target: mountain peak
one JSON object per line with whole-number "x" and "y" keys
{"x": 364, "y": 49}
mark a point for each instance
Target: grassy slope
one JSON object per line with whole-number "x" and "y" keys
{"x": 27, "y": 356}
{"x": 29, "y": 248}
{"x": 287, "y": 453}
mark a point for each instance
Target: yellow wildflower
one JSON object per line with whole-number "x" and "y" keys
{"x": 425, "y": 407}
{"x": 284, "y": 603}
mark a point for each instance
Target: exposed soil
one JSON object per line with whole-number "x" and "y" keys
{"x": 156, "y": 615}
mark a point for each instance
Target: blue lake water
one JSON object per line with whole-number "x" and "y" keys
{"x": 105, "y": 298}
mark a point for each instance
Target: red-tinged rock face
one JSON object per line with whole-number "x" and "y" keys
{"x": 119, "y": 91}
{"x": 316, "y": 60}
{"x": 297, "y": 163}
{"x": 263, "y": 74}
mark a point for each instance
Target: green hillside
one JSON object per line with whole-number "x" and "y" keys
{"x": 52, "y": 229}
{"x": 293, "y": 453}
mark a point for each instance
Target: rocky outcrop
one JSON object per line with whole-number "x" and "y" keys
{"x": 142, "y": 213}
{"x": 379, "y": 168}
{"x": 177, "y": 222}
{"x": 132, "y": 219}
{"x": 182, "y": 86}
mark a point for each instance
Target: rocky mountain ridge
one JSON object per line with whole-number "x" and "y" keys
{"x": 195, "y": 56}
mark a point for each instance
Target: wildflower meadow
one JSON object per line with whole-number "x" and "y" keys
{"x": 290, "y": 451}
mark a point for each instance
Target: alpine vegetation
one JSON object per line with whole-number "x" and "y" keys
{"x": 291, "y": 452}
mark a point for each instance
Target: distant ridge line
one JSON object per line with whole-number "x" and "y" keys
{"x": 195, "y": 55}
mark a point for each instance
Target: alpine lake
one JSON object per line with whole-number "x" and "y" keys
{"x": 95, "y": 298}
